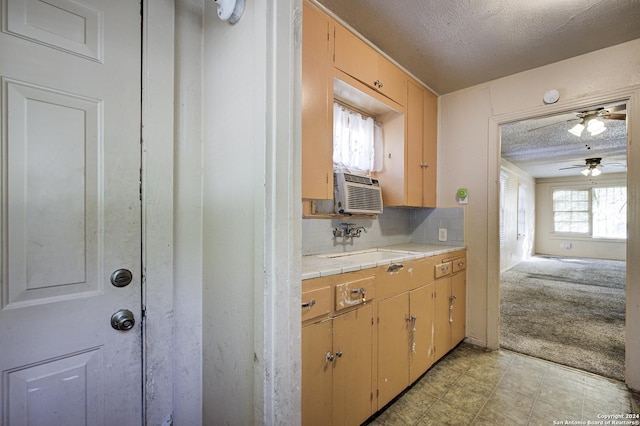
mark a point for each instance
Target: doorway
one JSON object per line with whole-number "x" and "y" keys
{"x": 560, "y": 177}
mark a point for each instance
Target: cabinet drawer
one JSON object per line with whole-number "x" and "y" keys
{"x": 316, "y": 303}
{"x": 459, "y": 264}
{"x": 356, "y": 292}
{"x": 442, "y": 269}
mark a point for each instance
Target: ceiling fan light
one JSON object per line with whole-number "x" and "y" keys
{"x": 595, "y": 172}
{"x": 577, "y": 129}
{"x": 586, "y": 172}
{"x": 594, "y": 126}
{"x": 598, "y": 131}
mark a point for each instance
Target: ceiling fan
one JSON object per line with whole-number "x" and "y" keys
{"x": 589, "y": 120}
{"x": 591, "y": 166}
{"x": 592, "y": 119}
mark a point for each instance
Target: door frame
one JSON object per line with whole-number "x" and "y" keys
{"x": 157, "y": 130}
{"x": 631, "y": 95}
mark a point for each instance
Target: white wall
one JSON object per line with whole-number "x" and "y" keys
{"x": 187, "y": 362}
{"x": 251, "y": 215}
{"x": 468, "y": 156}
{"x": 549, "y": 243}
{"x": 517, "y": 243}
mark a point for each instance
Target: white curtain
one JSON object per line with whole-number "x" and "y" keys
{"x": 353, "y": 140}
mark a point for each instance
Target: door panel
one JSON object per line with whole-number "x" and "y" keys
{"x": 70, "y": 211}
{"x": 393, "y": 347}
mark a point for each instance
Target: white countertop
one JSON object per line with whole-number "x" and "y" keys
{"x": 319, "y": 265}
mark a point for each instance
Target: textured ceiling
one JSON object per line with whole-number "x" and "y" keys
{"x": 543, "y": 147}
{"x": 450, "y": 45}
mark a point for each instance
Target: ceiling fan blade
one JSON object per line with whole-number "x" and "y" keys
{"x": 614, "y": 165}
{"x": 615, "y": 116}
{"x": 616, "y": 108}
{"x": 577, "y": 166}
{"x": 553, "y": 124}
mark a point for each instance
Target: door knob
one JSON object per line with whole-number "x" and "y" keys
{"x": 123, "y": 320}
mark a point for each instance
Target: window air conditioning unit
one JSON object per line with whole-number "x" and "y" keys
{"x": 356, "y": 194}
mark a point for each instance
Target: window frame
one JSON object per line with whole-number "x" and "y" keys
{"x": 587, "y": 236}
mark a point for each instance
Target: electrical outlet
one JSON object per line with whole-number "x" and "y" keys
{"x": 442, "y": 234}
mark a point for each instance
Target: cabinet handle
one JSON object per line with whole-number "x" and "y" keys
{"x": 445, "y": 268}
{"x": 361, "y": 291}
{"x": 339, "y": 354}
{"x": 329, "y": 356}
{"x": 461, "y": 264}
{"x": 395, "y": 267}
{"x": 412, "y": 319}
{"x": 309, "y": 304}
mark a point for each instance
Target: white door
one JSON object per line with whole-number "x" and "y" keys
{"x": 70, "y": 211}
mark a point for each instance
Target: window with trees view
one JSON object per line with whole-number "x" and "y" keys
{"x": 596, "y": 212}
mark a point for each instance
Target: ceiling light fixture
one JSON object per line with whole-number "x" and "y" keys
{"x": 592, "y": 167}
{"x": 577, "y": 129}
{"x": 593, "y": 126}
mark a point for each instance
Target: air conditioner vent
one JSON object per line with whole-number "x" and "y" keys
{"x": 357, "y": 194}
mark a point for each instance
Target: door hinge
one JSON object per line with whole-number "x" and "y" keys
{"x": 144, "y": 312}
{"x": 371, "y": 396}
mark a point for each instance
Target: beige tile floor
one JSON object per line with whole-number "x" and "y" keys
{"x": 473, "y": 386}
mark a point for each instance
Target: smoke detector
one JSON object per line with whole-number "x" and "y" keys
{"x": 230, "y": 10}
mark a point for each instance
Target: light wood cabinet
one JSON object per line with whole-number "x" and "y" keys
{"x": 421, "y": 307}
{"x": 410, "y": 166}
{"x": 450, "y": 304}
{"x": 393, "y": 347}
{"x": 337, "y": 348}
{"x": 405, "y": 325}
{"x": 317, "y": 373}
{"x": 317, "y": 104}
{"x": 336, "y": 369}
{"x": 371, "y": 333}
{"x": 356, "y": 58}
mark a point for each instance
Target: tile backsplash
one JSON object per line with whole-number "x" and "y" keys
{"x": 394, "y": 226}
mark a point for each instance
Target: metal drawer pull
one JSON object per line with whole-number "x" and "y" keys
{"x": 361, "y": 291}
{"x": 445, "y": 268}
{"x": 309, "y": 304}
{"x": 461, "y": 264}
{"x": 395, "y": 267}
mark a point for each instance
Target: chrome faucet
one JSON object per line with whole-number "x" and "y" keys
{"x": 348, "y": 230}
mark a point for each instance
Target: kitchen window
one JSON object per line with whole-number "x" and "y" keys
{"x": 357, "y": 141}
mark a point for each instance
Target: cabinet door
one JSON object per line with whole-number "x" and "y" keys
{"x": 414, "y": 142}
{"x": 430, "y": 149}
{"x": 317, "y": 106}
{"x": 317, "y": 373}
{"x": 393, "y": 347}
{"x": 459, "y": 294}
{"x": 421, "y": 346}
{"x": 442, "y": 326}
{"x": 352, "y": 344}
{"x": 355, "y": 57}
{"x": 392, "y": 81}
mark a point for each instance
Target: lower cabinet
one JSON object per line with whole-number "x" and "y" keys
{"x": 405, "y": 341}
{"x": 450, "y": 305}
{"x": 367, "y": 335}
{"x": 336, "y": 369}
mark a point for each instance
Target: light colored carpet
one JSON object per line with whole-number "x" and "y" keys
{"x": 566, "y": 310}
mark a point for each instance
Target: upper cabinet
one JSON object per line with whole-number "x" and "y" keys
{"x": 356, "y": 58}
{"x": 338, "y": 64}
{"x": 409, "y": 174}
{"x": 317, "y": 104}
